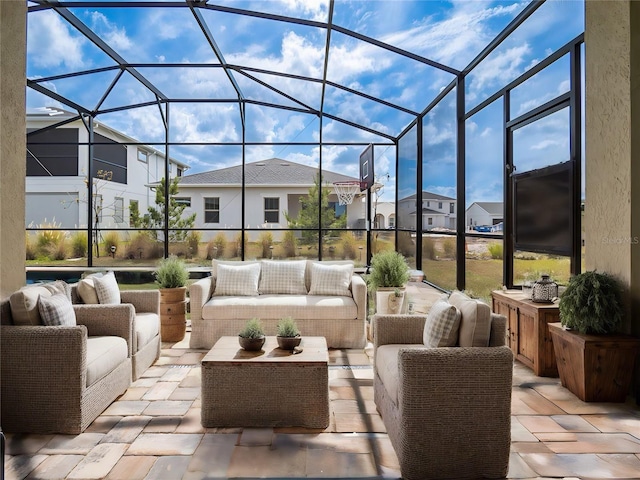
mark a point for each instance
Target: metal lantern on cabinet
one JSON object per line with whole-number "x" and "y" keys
{"x": 544, "y": 290}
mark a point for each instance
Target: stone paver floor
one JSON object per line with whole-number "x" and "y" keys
{"x": 153, "y": 431}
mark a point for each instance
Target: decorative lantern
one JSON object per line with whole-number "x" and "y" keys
{"x": 544, "y": 290}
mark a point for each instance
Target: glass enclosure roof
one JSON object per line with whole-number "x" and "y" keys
{"x": 291, "y": 71}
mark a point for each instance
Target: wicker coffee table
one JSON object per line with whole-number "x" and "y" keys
{"x": 270, "y": 388}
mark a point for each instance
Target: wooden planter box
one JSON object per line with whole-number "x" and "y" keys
{"x": 173, "y": 322}
{"x": 595, "y": 368}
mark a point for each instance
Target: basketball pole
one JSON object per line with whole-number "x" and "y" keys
{"x": 368, "y": 225}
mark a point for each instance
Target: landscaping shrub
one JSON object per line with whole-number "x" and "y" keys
{"x": 57, "y": 250}
{"x": 110, "y": 239}
{"x": 495, "y": 250}
{"x": 348, "y": 245}
{"x": 266, "y": 242}
{"x": 79, "y": 245}
{"x": 449, "y": 247}
{"x": 406, "y": 245}
{"x": 193, "y": 242}
{"x": 31, "y": 250}
{"x": 142, "y": 246}
{"x": 428, "y": 248}
{"x": 289, "y": 244}
{"x": 46, "y": 238}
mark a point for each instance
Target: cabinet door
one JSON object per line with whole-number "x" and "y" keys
{"x": 527, "y": 337}
{"x": 507, "y": 310}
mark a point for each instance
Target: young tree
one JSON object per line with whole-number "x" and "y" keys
{"x": 308, "y": 216}
{"x": 154, "y": 218}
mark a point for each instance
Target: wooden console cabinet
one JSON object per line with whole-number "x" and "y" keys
{"x": 527, "y": 333}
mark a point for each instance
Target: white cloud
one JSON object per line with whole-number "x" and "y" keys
{"x": 50, "y": 42}
{"x": 114, "y": 36}
{"x": 315, "y": 9}
{"x": 499, "y": 66}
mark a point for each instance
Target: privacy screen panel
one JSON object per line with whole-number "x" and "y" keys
{"x": 53, "y": 153}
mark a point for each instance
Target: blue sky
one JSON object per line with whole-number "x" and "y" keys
{"x": 451, "y": 33}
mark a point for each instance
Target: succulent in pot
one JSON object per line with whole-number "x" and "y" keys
{"x": 288, "y": 334}
{"x": 251, "y": 337}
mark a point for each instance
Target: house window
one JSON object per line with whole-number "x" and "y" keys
{"x": 134, "y": 210}
{"x": 272, "y": 210}
{"x": 186, "y": 201}
{"x": 143, "y": 156}
{"x": 212, "y": 210}
{"x": 338, "y": 209}
{"x": 428, "y": 203}
{"x": 452, "y": 207}
{"x": 118, "y": 210}
{"x": 430, "y": 221}
{"x": 179, "y": 172}
{"x": 439, "y": 205}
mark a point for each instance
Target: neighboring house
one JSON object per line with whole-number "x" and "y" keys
{"x": 438, "y": 211}
{"x": 58, "y": 168}
{"x": 484, "y": 214}
{"x": 385, "y": 215}
{"x": 273, "y": 187}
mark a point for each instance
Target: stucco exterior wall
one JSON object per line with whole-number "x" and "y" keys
{"x": 612, "y": 190}
{"x": 13, "y": 38}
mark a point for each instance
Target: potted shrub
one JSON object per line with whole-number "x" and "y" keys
{"x": 594, "y": 362}
{"x": 251, "y": 337}
{"x": 288, "y": 335}
{"x": 172, "y": 276}
{"x": 388, "y": 278}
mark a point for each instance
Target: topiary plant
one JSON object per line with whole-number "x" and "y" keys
{"x": 389, "y": 269}
{"x": 287, "y": 328}
{"x": 252, "y": 329}
{"x": 592, "y": 303}
{"x": 171, "y": 273}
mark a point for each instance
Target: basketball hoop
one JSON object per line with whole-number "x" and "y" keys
{"x": 346, "y": 191}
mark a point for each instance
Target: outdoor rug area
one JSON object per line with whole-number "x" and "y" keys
{"x": 153, "y": 431}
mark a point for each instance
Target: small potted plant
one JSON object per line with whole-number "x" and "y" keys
{"x": 251, "y": 337}
{"x": 172, "y": 276}
{"x": 389, "y": 276}
{"x": 593, "y": 360}
{"x": 288, "y": 335}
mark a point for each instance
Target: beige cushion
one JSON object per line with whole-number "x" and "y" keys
{"x": 56, "y": 310}
{"x": 103, "y": 355}
{"x": 147, "y": 328}
{"x": 441, "y": 326}
{"x": 214, "y": 268}
{"x": 387, "y": 366}
{"x": 87, "y": 290}
{"x": 475, "y": 321}
{"x": 286, "y": 277}
{"x": 239, "y": 280}
{"x": 24, "y": 304}
{"x": 107, "y": 289}
{"x": 331, "y": 279}
{"x": 277, "y": 306}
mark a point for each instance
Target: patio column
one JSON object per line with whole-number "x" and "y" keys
{"x": 13, "y": 47}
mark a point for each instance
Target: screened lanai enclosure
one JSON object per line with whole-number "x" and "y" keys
{"x": 219, "y": 129}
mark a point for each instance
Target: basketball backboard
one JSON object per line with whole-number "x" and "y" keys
{"x": 366, "y": 168}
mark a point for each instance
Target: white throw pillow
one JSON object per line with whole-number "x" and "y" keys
{"x": 87, "y": 290}
{"x": 282, "y": 277}
{"x": 475, "y": 321}
{"x": 441, "y": 326}
{"x": 24, "y": 304}
{"x": 56, "y": 310}
{"x": 331, "y": 279}
{"x": 107, "y": 289}
{"x": 237, "y": 280}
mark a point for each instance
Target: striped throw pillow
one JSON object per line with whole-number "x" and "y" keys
{"x": 56, "y": 310}
{"x": 441, "y": 326}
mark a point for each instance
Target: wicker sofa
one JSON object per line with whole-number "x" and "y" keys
{"x": 447, "y": 410}
{"x": 58, "y": 379}
{"x": 142, "y": 309}
{"x": 338, "y": 316}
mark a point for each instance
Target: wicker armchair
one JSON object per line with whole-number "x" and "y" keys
{"x": 46, "y": 383}
{"x": 142, "y": 307}
{"x": 449, "y": 416}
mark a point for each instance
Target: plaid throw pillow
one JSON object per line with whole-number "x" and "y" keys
{"x": 441, "y": 327}
{"x": 331, "y": 279}
{"x": 107, "y": 289}
{"x": 283, "y": 277}
{"x": 56, "y": 310}
{"x": 241, "y": 280}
